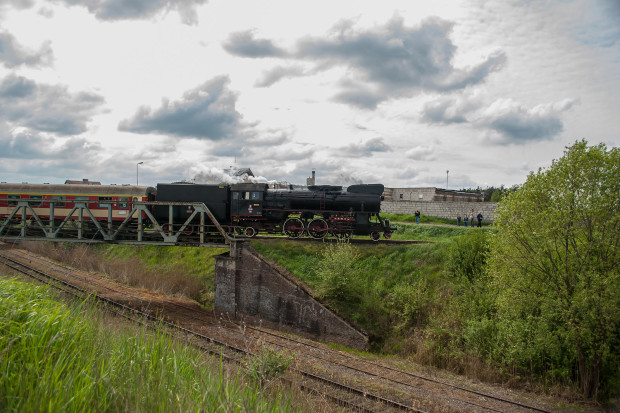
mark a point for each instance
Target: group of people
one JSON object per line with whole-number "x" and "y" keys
{"x": 469, "y": 218}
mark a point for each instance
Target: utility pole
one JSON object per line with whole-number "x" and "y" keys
{"x": 139, "y": 163}
{"x": 447, "y": 172}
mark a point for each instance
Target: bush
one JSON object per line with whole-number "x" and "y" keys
{"x": 335, "y": 270}
{"x": 467, "y": 255}
{"x": 267, "y": 365}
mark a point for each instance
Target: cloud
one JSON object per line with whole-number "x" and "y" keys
{"x": 12, "y": 54}
{"x": 28, "y": 145}
{"x": 206, "y": 112}
{"x": 45, "y": 108}
{"x": 507, "y": 120}
{"x": 278, "y": 73}
{"x": 514, "y": 123}
{"x": 364, "y": 149}
{"x": 128, "y": 9}
{"x": 245, "y": 45}
{"x": 381, "y": 63}
{"x": 421, "y": 153}
{"x": 444, "y": 111}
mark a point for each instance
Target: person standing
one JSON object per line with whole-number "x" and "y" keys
{"x": 479, "y": 216}
{"x": 458, "y": 220}
{"x": 466, "y": 219}
{"x": 417, "y": 216}
{"x": 471, "y": 217}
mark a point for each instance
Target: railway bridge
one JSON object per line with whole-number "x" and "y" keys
{"x": 248, "y": 287}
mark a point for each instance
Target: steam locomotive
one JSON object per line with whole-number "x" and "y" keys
{"x": 244, "y": 209}
{"x": 319, "y": 211}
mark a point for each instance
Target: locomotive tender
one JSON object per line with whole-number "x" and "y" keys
{"x": 245, "y": 209}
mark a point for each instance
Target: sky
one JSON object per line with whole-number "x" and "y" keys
{"x": 454, "y": 94}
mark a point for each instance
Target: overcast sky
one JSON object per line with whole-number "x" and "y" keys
{"x": 393, "y": 92}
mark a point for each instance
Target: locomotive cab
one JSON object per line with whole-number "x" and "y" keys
{"x": 247, "y": 200}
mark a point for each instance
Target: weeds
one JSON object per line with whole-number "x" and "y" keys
{"x": 267, "y": 365}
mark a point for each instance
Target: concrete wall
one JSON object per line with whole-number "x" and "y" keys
{"x": 440, "y": 209}
{"x": 430, "y": 195}
{"x": 254, "y": 289}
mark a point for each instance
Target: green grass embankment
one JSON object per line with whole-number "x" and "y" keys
{"x": 60, "y": 358}
{"x": 390, "y": 290}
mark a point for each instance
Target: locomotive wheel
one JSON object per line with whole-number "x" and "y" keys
{"x": 375, "y": 236}
{"x": 317, "y": 228}
{"x": 250, "y": 232}
{"x": 293, "y": 227}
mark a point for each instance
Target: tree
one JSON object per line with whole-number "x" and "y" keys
{"x": 555, "y": 263}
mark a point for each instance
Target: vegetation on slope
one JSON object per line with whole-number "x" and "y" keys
{"x": 535, "y": 298}
{"x": 60, "y": 358}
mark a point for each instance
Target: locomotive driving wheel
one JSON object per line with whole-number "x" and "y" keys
{"x": 375, "y": 236}
{"x": 293, "y": 227}
{"x": 318, "y": 228}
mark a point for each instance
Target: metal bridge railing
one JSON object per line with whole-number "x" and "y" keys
{"x": 138, "y": 227}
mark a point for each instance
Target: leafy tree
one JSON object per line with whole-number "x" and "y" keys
{"x": 555, "y": 263}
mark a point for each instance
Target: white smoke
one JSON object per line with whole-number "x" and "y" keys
{"x": 219, "y": 176}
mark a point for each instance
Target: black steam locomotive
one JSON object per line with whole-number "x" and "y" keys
{"x": 248, "y": 209}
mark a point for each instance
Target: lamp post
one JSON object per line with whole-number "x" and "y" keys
{"x": 139, "y": 163}
{"x": 447, "y": 172}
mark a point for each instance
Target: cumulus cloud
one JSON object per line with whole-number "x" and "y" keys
{"x": 278, "y": 73}
{"x": 385, "y": 62}
{"x": 515, "y": 123}
{"x": 421, "y": 153}
{"x": 129, "y": 10}
{"x": 206, "y": 112}
{"x": 507, "y": 121}
{"x": 13, "y": 54}
{"x": 27, "y": 145}
{"x": 444, "y": 111}
{"x": 364, "y": 149}
{"x": 45, "y": 108}
{"x": 244, "y": 44}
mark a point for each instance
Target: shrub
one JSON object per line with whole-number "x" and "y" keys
{"x": 335, "y": 270}
{"x": 267, "y": 365}
{"x": 467, "y": 255}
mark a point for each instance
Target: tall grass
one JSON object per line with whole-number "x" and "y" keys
{"x": 181, "y": 271}
{"x": 58, "y": 358}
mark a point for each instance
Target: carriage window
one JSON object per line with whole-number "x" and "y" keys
{"x": 81, "y": 198}
{"x": 13, "y": 197}
{"x": 246, "y": 195}
{"x": 35, "y": 203}
{"x": 105, "y": 201}
{"x": 235, "y": 195}
{"x": 58, "y": 198}
{"x": 255, "y": 195}
{"x": 123, "y": 201}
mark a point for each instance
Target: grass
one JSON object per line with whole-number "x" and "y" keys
{"x": 182, "y": 271}
{"x": 424, "y": 219}
{"x": 382, "y": 276}
{"x": 57, "y": 357}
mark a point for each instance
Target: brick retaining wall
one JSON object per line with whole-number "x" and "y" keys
{"x": 440, "y": 209}
{"x": 252, "y": 288}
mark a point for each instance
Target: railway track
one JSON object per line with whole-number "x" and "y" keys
{"x": 352, "y": 382}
